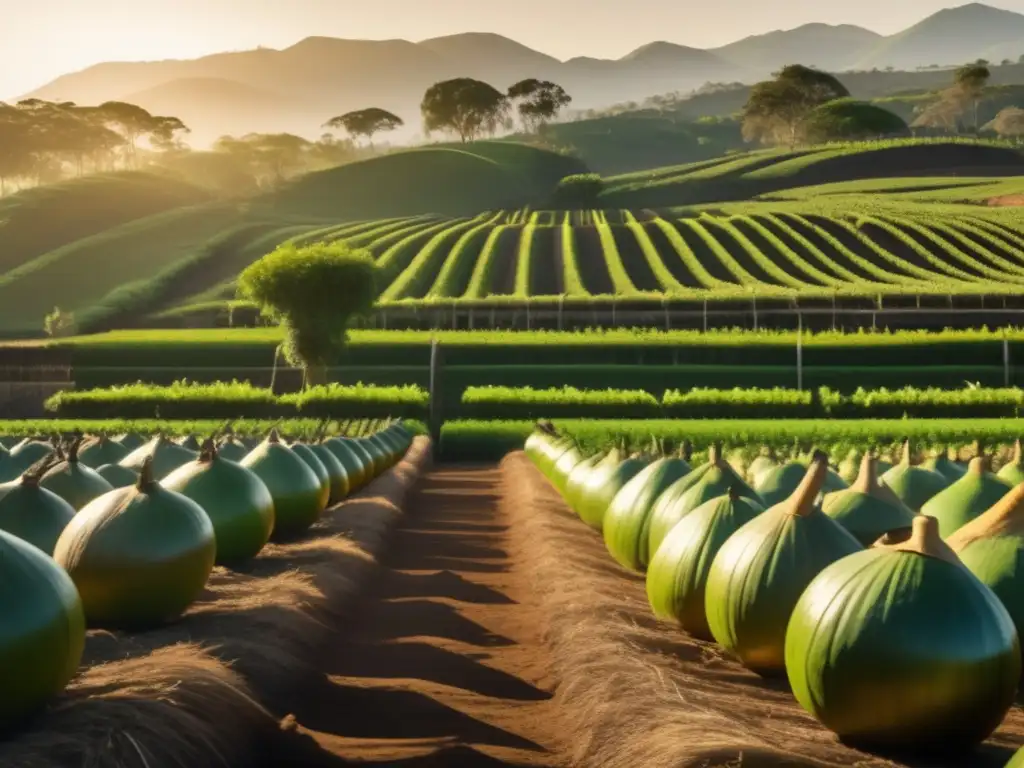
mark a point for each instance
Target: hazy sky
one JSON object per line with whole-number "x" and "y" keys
{"x": 40, "y": 39}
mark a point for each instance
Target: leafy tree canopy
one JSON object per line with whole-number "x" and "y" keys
{"x": 365, "y": 122}
{"x": 538, "y": 101}
{"x": 465, "y": 107}
{"x": 777, "y": 108}
{"x": 314, "y": 292}
{"x": 1009, "y": 122}
{"x": 849, "y": 119}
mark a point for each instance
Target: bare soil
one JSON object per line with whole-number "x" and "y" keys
{"x": 443, "y": 664}
{"x": 1007, "y": 200}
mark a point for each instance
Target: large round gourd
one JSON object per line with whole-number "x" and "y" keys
{"x": 131, "y": 440}
{"x": 166, "y": 457}
{"x": 778, "y": 483}
{"x": 31, "y": 513}
{"x": 1013, "y": 471}
{"x": 376, "y": 452}
{"x": 992, "y": 548}
{"x": 118, "y": 476}
{"x": 365, "y": 458}
{"x": 139, "y": 556}
{"x": 296, "y": 491}
{"x": 577, "y": 479}
{"x": 22, "y": 456}
{"x": 716, "y": 480}
{"x": 900, "y": 647}
{"x": 914, "y": 486}
{"x": 232, "y": 449}
{"x": 868, "y": 509}
{"x": 74, "y": 482}
{"x": 305, "y": 453}
{"x": 339, "y": 483}
{"x": 43, "y": 629}
{"x": 678, "y": 573}
{"x": 566, "y": 463}
{"x": 97, "y": 451}
{"x": 625, "y": 524}
{"x": 759, "y": 573}
{"x": 967, "y": 498}
{"x": 944, "y": 465}
{"x": 235, "y": 499}
{"x": 351, "y": 461}
{"x": 603, "y": 484}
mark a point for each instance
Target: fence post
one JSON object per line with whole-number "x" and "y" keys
{"x": 436, "y": 394}
{"x": 800, "y": 352}
{"x": 1006, "y": 360}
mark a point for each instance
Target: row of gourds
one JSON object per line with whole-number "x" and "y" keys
{"x": 97, "y": 533}
{"x": 893, "y": 604}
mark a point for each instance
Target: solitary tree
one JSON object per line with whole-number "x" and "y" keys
{"x": 365, "y": 122}
{"x": 465, "y": 107}
{"x": 970, "y": 81}
{"x": 538, "y": 101}
{"x": 776, "y": 109}
{"x": 313, "y": 292}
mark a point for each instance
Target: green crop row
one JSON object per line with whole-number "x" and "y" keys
{"x": 502, "y": 402}
{"x": 491, "y": 440}
{"x": 218, "y": 400}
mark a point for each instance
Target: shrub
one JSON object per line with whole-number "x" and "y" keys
{"x": 578, "y": 192}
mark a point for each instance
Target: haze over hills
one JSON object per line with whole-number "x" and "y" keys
{"x": 296, "y": 89}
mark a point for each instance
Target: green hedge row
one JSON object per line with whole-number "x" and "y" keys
{"x": 238, "y": 400}
{"x": 509, "y": 403}
{"x": 471, "y": 440}
{"x": 654, "y": 379}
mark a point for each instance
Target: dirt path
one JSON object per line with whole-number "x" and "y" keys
{"x": 444, "y": 665}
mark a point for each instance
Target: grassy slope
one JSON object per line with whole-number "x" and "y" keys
{"x": 38, "y": 220}
{"x": 443, "y": 179}
{"x": 763, "y": 172}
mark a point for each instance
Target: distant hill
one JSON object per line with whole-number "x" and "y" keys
{"x": 824, "y": 46}
{"x": 951, "y": 36}
{"x": 296, "y": 89}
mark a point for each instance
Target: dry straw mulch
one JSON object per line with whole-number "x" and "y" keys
{"x": 189, "y": 695}
{"x": 634, "y": 691}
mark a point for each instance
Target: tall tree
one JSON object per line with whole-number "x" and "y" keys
{"x": 1009, "y": 122}
{"x": 969, "y": 84}
{"x": 776, "y": 109}
{"x": 465, "y": 107}
{"x": 365, "y": 122}
{"x": 851, "y": 120}
{"x": 314, "y": 292}
{"x": 538, "y": 101}
{"x": 270, "y": 157}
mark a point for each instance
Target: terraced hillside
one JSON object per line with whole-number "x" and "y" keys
{"x": 773, "y": 251}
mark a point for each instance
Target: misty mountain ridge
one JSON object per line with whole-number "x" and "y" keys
{"x": 297, "y": 88}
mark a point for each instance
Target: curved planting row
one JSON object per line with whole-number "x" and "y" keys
{"x": 887, "y": 594}
{"x": 123, "y": 535}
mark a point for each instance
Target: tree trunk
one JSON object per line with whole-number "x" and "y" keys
{"x": 316, "y": 375}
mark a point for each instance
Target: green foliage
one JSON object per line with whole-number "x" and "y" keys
{"x": 538, "y": 101}
{"x": 777, "y": 109}
{"x": 567, "y": 402}
{"x": 238, "y": 400}
{"x": 846, "y": 119}
{"x": 491, "y": 440}
{"x": 465, "y": 107}
{"x": 578, "y": 192}
{"x": 57, "y": 324}
{"x": 313, "y": 292}
{"x": 366, "y": 122}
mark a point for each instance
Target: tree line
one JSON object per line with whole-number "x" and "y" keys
{"x": 805, "y": 105}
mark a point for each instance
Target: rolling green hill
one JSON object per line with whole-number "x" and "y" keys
{"x": 35, "y": 221}
{"x": 450, "y": 180}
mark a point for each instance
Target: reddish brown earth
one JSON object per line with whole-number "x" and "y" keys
{"x": 1007, "y": 200}
{"x": 444, "y": 664}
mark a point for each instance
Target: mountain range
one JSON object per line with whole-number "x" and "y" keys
{"x": 298, "y": 88}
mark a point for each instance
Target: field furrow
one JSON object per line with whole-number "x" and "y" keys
{"x": 545, "y": 266}
{"x": 698, "y": 244}
{"x": 912, "y": 241}
{"x": 572, "y": 279}
{"x": 1013, "y": 241}
{"x": 417, "y": 278}
{"x": 524, "y": 264}
{"x": 460, "y": 264}
{"x": 588, "y": 255}
{"x": 500, "y": 278}
{"x": 677, "y": 256}
{"x": 655, "y": 259}
{"x": 969, "y": 249}
{"x": 856, "y": 239}
{"x": 378, "y": 246}
{"x": 637, "y": 266}
{"x": 823, "y": 253}
{"x": 622, "y": 285}
{"x": 730, "y": 252}
{"x": 764, "y": 242}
